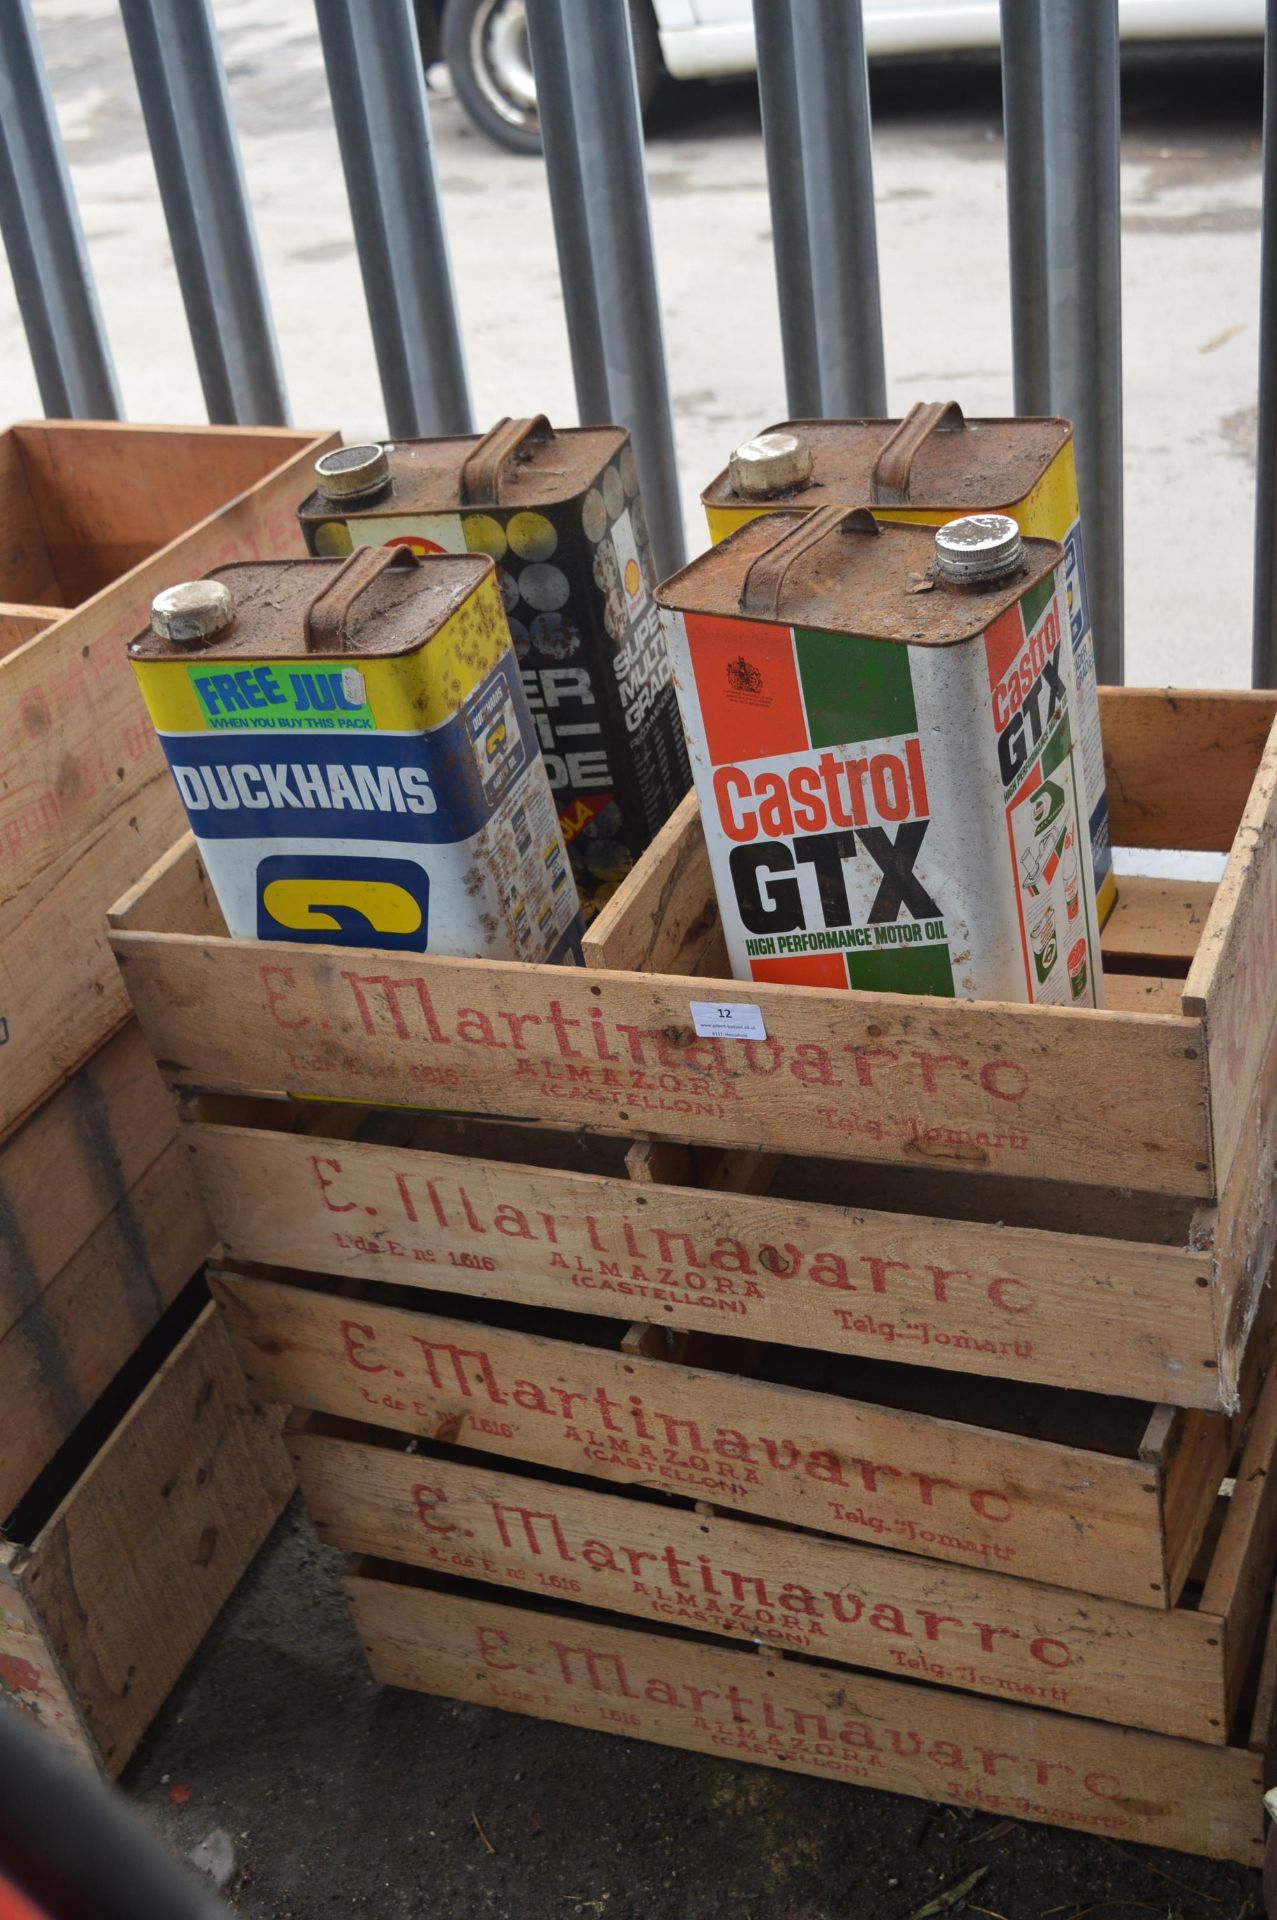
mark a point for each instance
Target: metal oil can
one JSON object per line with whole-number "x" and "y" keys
{"x": 930, "y": 467}
{"x": 882, "y": 728}
{"x": 355, "y": 753}
{"x": 561, "y": 516}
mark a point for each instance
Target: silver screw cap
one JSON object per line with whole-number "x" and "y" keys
{"x": 979, "y": 549}
{"x": 352, "y": 471}
{"x": 770, "y": 463}
{"x": 192, "y": 614}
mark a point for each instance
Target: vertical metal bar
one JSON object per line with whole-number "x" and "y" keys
{"x": 588, "y": 106}
{"x": 43, "y": 237}
{"x": 383, "y": 126}
{"x": 1264, "y": 643}
{"x": 1063, "y": 129}
{"x": 1026, "y": 203}
{"x": 187, "y": 109}
{"x": 832, "y": 82}
{"x": 782, "y": 143}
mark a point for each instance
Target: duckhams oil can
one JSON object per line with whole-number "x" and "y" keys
{"x": 356, "y": 756}
{"x": 928, "y": 468}
{"x": 886, "y": 761}
{"x": 560, "y": 514}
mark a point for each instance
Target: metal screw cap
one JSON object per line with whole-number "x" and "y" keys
{"x": 192, "y": 614}
{"x": 770, "y": 463}
{"x": 979, "y": 549}
{"x": 352, "y": 471}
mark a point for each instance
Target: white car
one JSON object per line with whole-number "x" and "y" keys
{"x": 485, "y": 43}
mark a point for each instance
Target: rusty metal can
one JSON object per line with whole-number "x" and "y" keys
{"x": 928, "y": 468}
{"x": 561, "y": 516}
{"x": 882, "y": 726}
{"x": 355, "y": 753}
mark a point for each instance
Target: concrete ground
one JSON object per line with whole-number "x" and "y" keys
{"x": 1190, "y": 261}
{"x": 307, "y": 1789}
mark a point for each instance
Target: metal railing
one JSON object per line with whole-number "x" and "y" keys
{"x": 1060, "y": 91}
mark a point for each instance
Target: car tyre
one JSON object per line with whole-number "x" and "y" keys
{"x": 485, "y": 45}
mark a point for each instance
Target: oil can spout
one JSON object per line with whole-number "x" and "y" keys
{"x": 192, "y": 614}
{"x": 768, "y": 464}
{"x": 353, "y": 473}
{"x": 979, "y": 550}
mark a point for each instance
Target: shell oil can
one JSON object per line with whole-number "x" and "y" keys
{"x": 882, "y": 721}
{"x": 356, "y": 757}
{"x": 561, "y": 516}
{"x": 931, "y": 467}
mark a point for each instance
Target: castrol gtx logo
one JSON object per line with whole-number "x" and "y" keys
{"x": 852, "y": 821}
{"x": 818, "y": 786}
{"x": 1028, "y": 694}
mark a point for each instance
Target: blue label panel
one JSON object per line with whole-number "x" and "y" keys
{"x": 422, "y": 788}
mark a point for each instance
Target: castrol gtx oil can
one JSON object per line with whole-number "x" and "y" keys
{"x": 881, "y": 721}
{"x": 930, "y": 467}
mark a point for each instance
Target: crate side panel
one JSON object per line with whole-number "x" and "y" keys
{"x": 1012, "y": 1761}
{"x": 76, "y": 745}
{"x": 832, "y": 1600}
{"x": 31, "y": 1677}
{"x": 60, "y": 989}
{"x": 1117, "y": 1099}
{"x": 67, "y": 1347}
{"x": 1114, "y": 1316}
{"x": 140, "y": 1558}
{"x": 95, "y": 1137}
{"x": 966, "y": 1494}
{"x": 1179, "y": 763}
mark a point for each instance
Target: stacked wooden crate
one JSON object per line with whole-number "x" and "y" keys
{"x": 905, "y": 1386}
{"x": 135, "y": 1479}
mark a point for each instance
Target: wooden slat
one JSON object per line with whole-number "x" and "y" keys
{"x": 27, "y": 572}
{"x": 20, "y": 624}
{"x": 1156, "y": 922}
{"x": 1143, "y": 993}
{"x": 135, "y": 1565}
{"x": 1179, "y": 763}
{"x": 1114, "y": 1098}
{"x": 1006, "y": 1760}
{"x": 834, "y": 1600}
{"x": 71, "y": 1340}
{"x": 76, "y": 744}
{"x": 75, "y": 1159}
{"x": 1232, "y": 984}
{"x": 1243, "y": 1228}
{"x": 1060, "y": 1308}
{"x": 60, "y": 989}
{"x": 174, "y": 895}
{"x": 1240, "y": 1577}
{"x": 663, "y": 918}
{"x": 970, "y": 1494}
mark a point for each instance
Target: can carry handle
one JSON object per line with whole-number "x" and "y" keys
{"x": 484, "y": 466}
{"x": 889, "y": 478}
{"x": 765, "y": 576}
{"x": 324, "y": 628}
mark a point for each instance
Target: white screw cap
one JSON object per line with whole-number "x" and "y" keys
{"x": 770, "y": 463}
{"x": 193, "y": 613}
{"x": 352, "y": 471}
{"x": 979, "y": 548}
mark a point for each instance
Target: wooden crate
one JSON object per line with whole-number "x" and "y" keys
{"x": 1024, "y": 1481}
{"x": 675, "y": 1563}
{"x": 101, "y": 1226}
{"x": 97, "y": 518}
{"x": 1168, "y": 1099}
{"x": 105, "y": 1597}
{"x": 557, "y": 1662}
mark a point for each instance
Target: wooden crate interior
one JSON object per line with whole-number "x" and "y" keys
{"x": 80, "y": 504}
